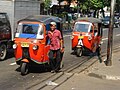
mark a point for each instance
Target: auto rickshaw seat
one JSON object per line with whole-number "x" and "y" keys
{"x": 28, "y": 29}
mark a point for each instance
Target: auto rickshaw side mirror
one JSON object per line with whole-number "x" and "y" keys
{"x": 15, "y": 32}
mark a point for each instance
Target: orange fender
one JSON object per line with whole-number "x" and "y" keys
{"x": 25, "y": 60}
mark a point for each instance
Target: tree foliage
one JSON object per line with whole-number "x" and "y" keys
{"x": 86, "y": 5}
{"x": 96, "y": 4}
{"x": 47, "y": 4}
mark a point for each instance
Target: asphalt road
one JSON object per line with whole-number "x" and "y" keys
{"x": 11, "y": 79}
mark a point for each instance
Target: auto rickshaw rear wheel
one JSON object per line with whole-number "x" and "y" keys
{"x": 24, "y": 68}
{"x": 3, "y": 51}
{"x": 79, "y": 52}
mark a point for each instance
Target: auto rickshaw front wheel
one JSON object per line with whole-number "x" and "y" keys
{"x": 79, "y": 52}
{"x": 3, "y": 51}
{"x": 24, "y": 68}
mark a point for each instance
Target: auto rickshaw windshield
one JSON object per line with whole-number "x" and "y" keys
{"x": 28, "y": 28}
{"x": 82, "y": 27}
{"x": 25, "y": 30}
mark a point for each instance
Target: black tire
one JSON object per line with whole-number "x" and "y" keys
{"x": 3, "y": 51}
{"x": 75, "y": 51}
{"x": 24, "y": 68}
{"x": 79, "y": 52}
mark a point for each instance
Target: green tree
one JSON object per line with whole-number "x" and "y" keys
{"x": 106, "y": 3}
{"x": 47, "y": 4}
{"x": 117, "y": 6}
{"x": 86, "y": 5}
{"x": 96, "y": 5}
{"x": 83, "y": 6}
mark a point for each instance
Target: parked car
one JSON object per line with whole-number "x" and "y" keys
{"x": 117, "y": 15}
{"x": 5, "y": 35}
{"x": 106, "y": 21}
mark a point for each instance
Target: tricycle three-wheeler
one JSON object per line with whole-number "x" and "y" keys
{"x": 31, "y": 44}
{"x": 86, "y": 35}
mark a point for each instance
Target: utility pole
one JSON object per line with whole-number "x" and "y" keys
{"x": 110, "y": 34}
{"x": 78, "y": 6}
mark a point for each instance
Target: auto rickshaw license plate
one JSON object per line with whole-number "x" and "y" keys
{"x": 80, "y": 37}
{"x": 25, "y": 44}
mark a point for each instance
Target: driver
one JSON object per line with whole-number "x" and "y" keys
{"x": 56, "y": 46}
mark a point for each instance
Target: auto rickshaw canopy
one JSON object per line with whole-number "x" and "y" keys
{"x": 46, "y": 19}
{"x": 89, "y": 19}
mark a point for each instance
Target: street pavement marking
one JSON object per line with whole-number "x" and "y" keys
{"x": 105, "y": 29}
{"x": 66, "y": 35}
{"x": 105, "y": 39}
{"x": 118, "y": 35}
{"x": 112, "y": 77}
{"x": 12, "y": 64}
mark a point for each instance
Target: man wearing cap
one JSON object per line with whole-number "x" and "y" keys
{"x": 56, "y": 46}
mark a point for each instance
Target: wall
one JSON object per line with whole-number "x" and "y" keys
{"x": 18, "y": 9}
{"x": 8, "y": 7}
{"x": 26, "y": 8}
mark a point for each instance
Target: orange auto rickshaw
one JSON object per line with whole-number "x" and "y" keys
{"x": 31, "y": 44}
{"x": 86, "y": 35}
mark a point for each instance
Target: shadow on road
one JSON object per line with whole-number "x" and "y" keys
{"x": 84, "y": 54}
{"x": 10, "y": 54}
{"x": 36, "y": 69}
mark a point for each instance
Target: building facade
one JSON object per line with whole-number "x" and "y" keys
{"x": 18, "y": 9}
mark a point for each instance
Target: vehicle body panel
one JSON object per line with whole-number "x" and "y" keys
{"x": 26, "y": 41}
{"x": 89, "y": 36}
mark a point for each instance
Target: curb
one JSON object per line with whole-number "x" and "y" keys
{"x": 107, "y": 77}
{"x": 104, "y": 76}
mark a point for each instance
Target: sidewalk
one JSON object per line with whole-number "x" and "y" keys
{"x": 97, "y": 77}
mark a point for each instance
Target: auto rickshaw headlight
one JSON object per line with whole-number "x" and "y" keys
{"x": 35, "y": 47}
{"x": 14, "y": 46}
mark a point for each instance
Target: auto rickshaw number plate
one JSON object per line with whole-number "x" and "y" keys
{"x": 81, "y": 37}
{"x": 25, "y": 44}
